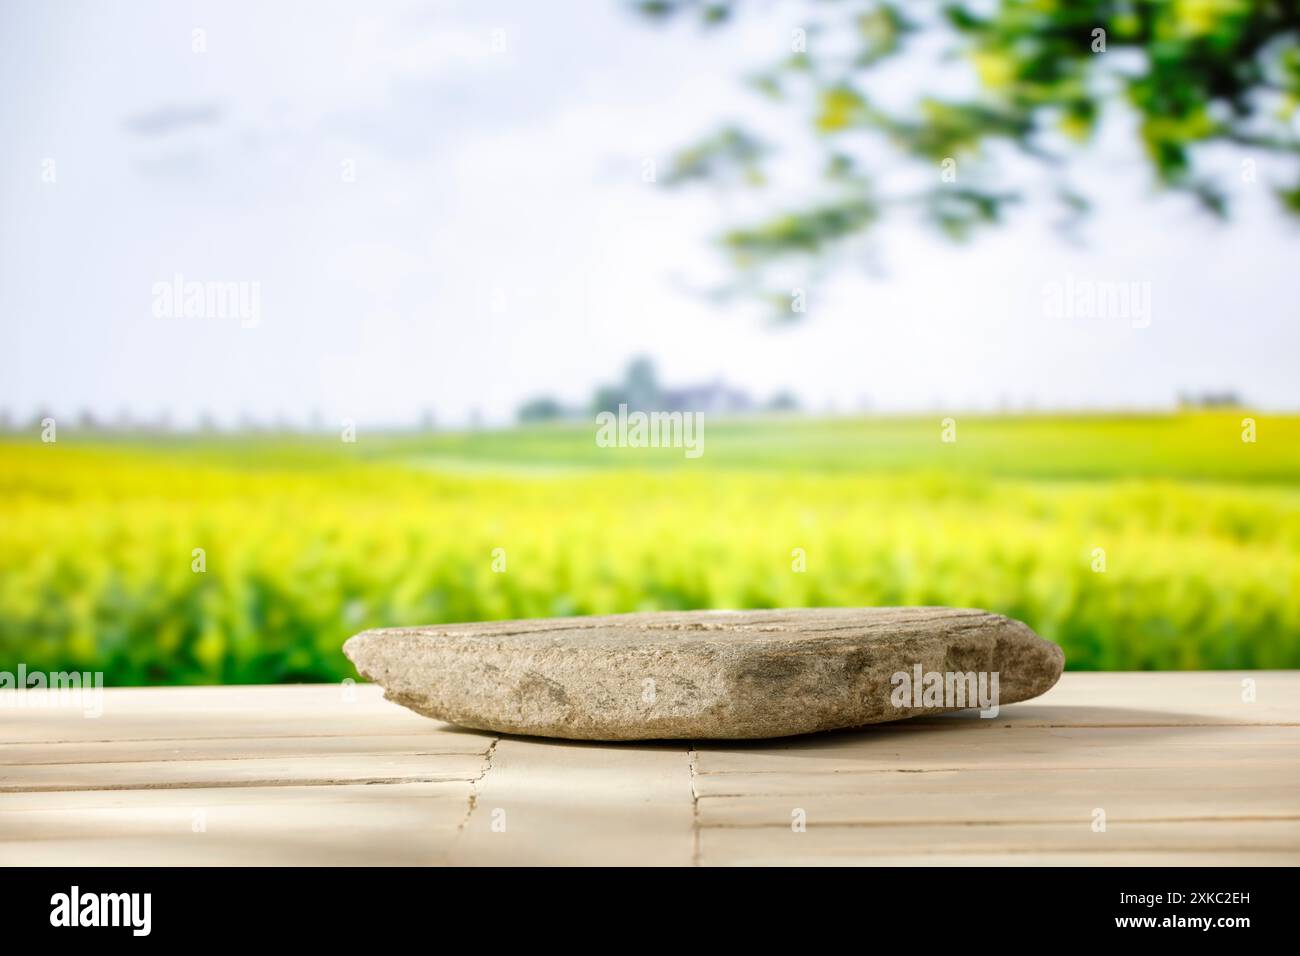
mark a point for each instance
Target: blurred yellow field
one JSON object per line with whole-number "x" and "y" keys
{"x": 252, "y": 560}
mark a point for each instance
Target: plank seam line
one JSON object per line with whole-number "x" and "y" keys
{"x": 204, "y": 758}
{"x": 691, "y": 755}
{"x": 1256, "y": 764}
{"x": 1062, "y": 850}
{"x": 159, "y": 740}
{"x": 474, "y": 784}
{"x": 1219, "y": 795}
{"x": 237, "y": 784}
{"x": 956, "y": 824}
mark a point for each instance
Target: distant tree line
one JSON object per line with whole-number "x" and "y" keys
{"x": 641, "y": 390}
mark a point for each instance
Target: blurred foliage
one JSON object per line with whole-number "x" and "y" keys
{"x": 308, "y": 540}
{"x": 541, "y": 409}
{"x": 1040, "y": 75}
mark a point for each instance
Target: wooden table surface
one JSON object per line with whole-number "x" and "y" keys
{"x": 1185, "y": 768}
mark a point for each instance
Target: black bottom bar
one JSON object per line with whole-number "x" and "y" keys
{"x": 978, "y": 907}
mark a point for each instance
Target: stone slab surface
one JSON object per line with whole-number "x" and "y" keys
{"x": 705, "y": 675}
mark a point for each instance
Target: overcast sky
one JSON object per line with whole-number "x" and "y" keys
{"x": 442, "y": 207}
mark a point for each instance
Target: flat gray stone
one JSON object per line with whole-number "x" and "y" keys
{"x": 707, "y": 674}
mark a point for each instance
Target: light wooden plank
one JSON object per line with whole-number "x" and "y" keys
{"x": 978, "y": 746}
{"x": 269, "y": 844}
{"x": 262, "y": 772}
{"x": 179, "y": 713}
{"x": 1160, "y": 860}
{"x": 399, "y": 824}
{"x": 1004, "y": 803}
{"x": 1012, "y": 783}
{"x": 284, "y": 798}
{"x": 1122, "y": 844}
{"x": 174, "y": 811}
{"x": 1153, "y": 699}
{"x": 581, "y": 804}
{"x": 1186, "y": 771}
{"x": 240, "y": 748}
{"x": 1157, "y": 860}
